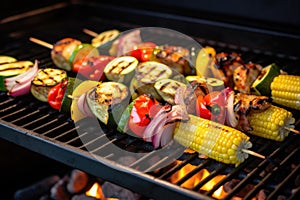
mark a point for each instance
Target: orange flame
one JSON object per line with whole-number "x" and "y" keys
{"x": 95, "y": 191}
{"x": 197, "y": 178}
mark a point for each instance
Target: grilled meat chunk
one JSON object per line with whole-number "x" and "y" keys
{"x": 244, "y": 104}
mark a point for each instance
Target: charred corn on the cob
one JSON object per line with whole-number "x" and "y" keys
{"x": 219, "y": 142}
{"x": 286, "y": 91}
{"x": 273, "y": 123}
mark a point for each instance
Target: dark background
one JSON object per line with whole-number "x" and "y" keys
{"x": 278, "y": 15}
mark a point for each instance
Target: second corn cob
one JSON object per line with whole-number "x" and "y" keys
{"x": 219, "y": 142}
{"x": 285, "y": 91}
{"x": 273, "y": 123}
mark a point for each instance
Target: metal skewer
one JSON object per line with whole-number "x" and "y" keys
{"x": 40, "y": 42}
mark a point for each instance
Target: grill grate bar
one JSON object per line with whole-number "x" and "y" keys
{"x": 209, "y": 177}
{"x": 8, "y": 108}
{"x": 14, "y": 113}
{"x": 142, "y": 159}
{"x": 65, "y": 133}
{"x": 164, "y": 159}
{"x": 93, "y": 140}
{"x": 46, "y": 124}
{"x": 270, "y": 175}
{"x": 36, "y": 120}
{"x": 25, "y": 116}
{"x": 281, "y": 185}
{"x": 7, "y": 101}
{"x": 73, "y": 139}
{"x": 104, "y": 145}
{"x": 56, "y": 128}
{"x": 193, "y": 172}
{"x": 179, "y": 166}
{"x": 234, "y": 173}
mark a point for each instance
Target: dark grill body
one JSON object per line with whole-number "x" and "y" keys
{"x": 37, "y": 127}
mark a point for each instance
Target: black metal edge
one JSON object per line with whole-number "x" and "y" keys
{"x": 285, "y": 44}
{"x": 131, "y": 179}
{"x": 240, "y": 35}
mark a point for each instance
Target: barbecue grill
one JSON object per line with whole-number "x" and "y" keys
{"x": 34, "y": 125}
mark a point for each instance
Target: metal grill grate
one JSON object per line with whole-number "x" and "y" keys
{"x": 36, "y": 126}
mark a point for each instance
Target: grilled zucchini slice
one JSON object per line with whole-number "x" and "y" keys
{"x": 121, "y": 69}
{"x": 13, "y": 69}
{"x": 44, "y": 80}
{"x": 147, "y": 73}
{"x": 167, "y": 88}
{"x": 107, "y": 101}
{"x": 6, "y": 59}
{"x": 67, "y": 100}
{"x": 105, "y": 38}
{"x": 262, "y": 85}
{"x": 215, "y": 84}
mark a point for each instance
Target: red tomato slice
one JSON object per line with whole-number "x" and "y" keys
{"x": 212, "y": 106}
{"x": 143, "y": 51}
{"x": 92, "y": 67}
{"x": 56, "y": 94}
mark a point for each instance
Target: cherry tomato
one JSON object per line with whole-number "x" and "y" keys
{"x": 144, "y": 108}
{"x": 92, "y": 67}
{"x": 143, "y": 51}
{"x": 212, "y": 106}
{"x": 56, "y": 94}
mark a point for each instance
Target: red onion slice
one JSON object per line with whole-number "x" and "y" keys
{"x": 230, "y": 115}
{"x": 83, "y": 106}
{"x": 13, "y": 83}
{"x": 167, "y": 134}
{"x": 20, "y": 90}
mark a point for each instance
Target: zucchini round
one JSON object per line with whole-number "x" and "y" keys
{"x": 121, "y": 69}
{"x": 167, "y": 88}
{"x": 262, "y": 85}
{"x": 215, "y": 84}
{"x": 147, "y": 73}
{"x": 105, "y": 38}
{"x": 44, "y": 81}
{"x": 13, "y": 69}
{"x": 107, "y": 101}
{"x": 6, "y": 59}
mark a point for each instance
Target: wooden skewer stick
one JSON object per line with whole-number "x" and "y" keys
{"x": 292, "y": 130}
{"x": 253, "y": 153}
{"x": 73, "y": 97}
{"x": 40, "y": 42}
{"x": 91, "y": 33}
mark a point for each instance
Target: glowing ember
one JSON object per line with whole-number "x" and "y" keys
{"x": 197, "y": 178}
{"x": 95, "y": 191}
